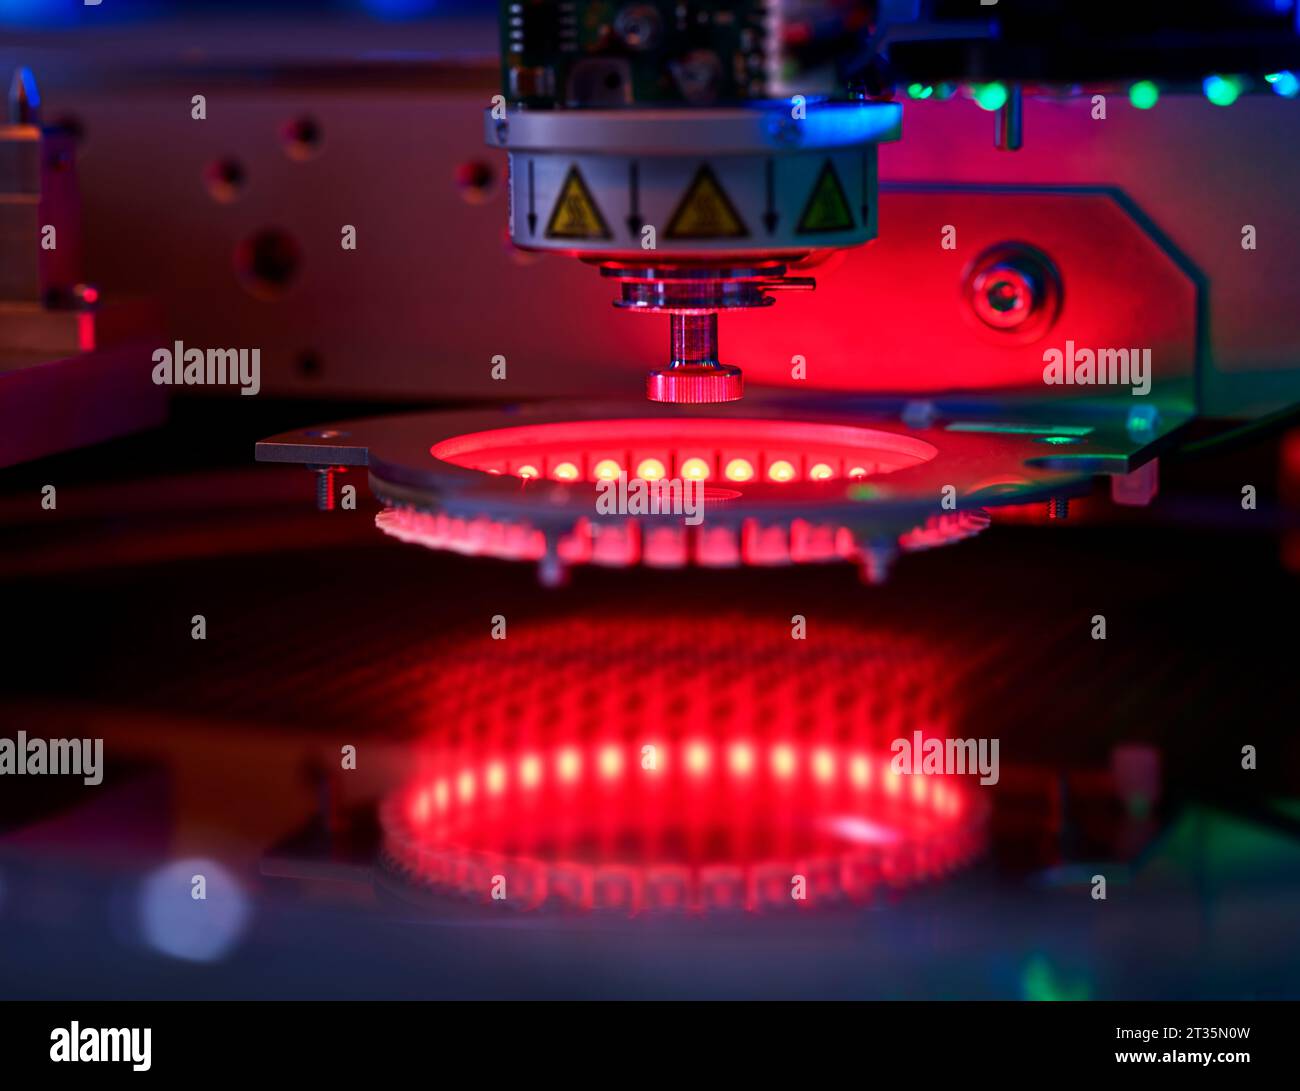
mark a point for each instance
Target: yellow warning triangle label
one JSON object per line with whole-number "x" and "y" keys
{"x": 827, "y": 208}
{"x": 575, "y": 215}
{"x": 706, "y": 212}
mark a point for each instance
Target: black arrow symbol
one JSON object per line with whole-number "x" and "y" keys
{"x": 634, "y": 221}
{"x": 770, "y": 217}
{"x": 532, "y": 202}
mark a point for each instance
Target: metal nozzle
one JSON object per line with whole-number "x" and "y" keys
{"x": 694, "y": 374}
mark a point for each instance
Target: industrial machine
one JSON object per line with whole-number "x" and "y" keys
{"x": 1009, "y": 277}
{"x": 1016, "y": 339}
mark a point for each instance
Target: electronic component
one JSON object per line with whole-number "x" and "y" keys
{"x": 693, "y": 211}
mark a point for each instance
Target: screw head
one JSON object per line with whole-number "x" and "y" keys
{"x": 1015, "y": 290}
{"x": 1004, "y": 296}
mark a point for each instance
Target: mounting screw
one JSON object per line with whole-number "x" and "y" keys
{"x": 325, "y": 486}
{"x": 1014, "y": 289}
{"x": 1004, "y": 297}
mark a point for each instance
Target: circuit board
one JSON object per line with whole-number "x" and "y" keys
{"x": 609, "y": 53}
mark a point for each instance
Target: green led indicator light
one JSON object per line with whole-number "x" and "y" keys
{"x": 1222, "y": 90}
{"x": 1144, "y": 94}
{"x": 919, "y": 90}
{"x": 990, "y": 96}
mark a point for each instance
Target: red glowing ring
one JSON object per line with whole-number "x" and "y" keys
{"x": 713, "y": 825}
{"x": 758, "y": 475}
{"x": 583, "y": 451}
{"x": 803, "y": 486}
{"x": 770, "y": 760}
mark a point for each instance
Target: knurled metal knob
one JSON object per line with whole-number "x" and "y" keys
{"x": 695, "y": 384}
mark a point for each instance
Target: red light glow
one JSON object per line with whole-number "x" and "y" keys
{"x": 691, "y": 448}
{"x": 650, "y": 469}
{"x": 696, "y": 469}
{"x": 781, "y": 470}
{"x": 618, "y": 545}
{"x": 611, "y": 793}
{"x": 761, "y": 462}
{"x": 739, "y": 469}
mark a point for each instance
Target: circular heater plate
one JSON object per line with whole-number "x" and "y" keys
{"x": 777, "y": 486}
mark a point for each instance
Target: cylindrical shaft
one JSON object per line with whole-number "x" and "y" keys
{"x": 693, "y": 338}
{"x": 1011, "y": 121}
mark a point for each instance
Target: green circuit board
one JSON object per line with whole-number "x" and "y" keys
{"x": 607, "y": 54}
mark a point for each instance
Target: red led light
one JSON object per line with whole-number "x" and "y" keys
{"x": 741, "y": 759}
{"x": 696, "y": 469}
{"x": 650, "y": 469}
{"x": 530, "y": 771}
{"x": 784, "y": 762}
{"x": 568, "y": 765}
{"x": 739, "y": 469}
{"x": 611, "y": 762}
{"x": 691, "y": 444}
{"x": 683, "y": 835}
{"x": 781, "y": 470}
{"x": 697, "y": 758}
{"x": 787, "y": 467}
{"x": 605, "y": 789}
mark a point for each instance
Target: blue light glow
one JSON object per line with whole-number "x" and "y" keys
{"x": 174, "y": 923}
{"x": 400, "y": 9}
{"x": 1286, "y": 84}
